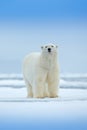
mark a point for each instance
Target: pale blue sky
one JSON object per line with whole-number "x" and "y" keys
{"x": 25, "y": 25}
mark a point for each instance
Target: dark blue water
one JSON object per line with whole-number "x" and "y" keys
{"x": 18, "y": 124}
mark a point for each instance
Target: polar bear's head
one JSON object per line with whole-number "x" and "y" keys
{"x": 50, "y": 48}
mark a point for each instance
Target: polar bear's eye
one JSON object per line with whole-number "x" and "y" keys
{"x": 45, "y": 46}
{"x": 52, "y": 46}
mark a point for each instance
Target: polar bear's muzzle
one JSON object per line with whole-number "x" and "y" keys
{"x": 49, "y": 49}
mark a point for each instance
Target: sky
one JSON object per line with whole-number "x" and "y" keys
{"x": 25, "y": 25}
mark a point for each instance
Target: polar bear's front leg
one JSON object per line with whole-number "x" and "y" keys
{"x": 53, "y": 89}
{"x": 39, "y": 84}
{"x": 38, "y": 91}
{"x": 53, "y": 83}
{"x": 46, "y": 93}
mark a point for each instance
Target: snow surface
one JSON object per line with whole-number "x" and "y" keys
{"x": 68, "y": 112}
{"x": 67, "y": 81}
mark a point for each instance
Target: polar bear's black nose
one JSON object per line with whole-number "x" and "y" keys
{"x": 49, "y": 49}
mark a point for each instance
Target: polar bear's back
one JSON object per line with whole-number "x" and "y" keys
{"x": 30, "y": 64}
{"x": 33, "y": 57}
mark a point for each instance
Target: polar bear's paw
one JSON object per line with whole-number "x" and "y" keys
{"x": 53, "y": 96}
{"x": 38, "y": 96}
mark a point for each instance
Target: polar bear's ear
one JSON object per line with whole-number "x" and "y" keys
{"x": 56, "y": 46}
{"x": 42, "y": 47}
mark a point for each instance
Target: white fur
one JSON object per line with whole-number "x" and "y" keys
{"x": 41, "y": 73}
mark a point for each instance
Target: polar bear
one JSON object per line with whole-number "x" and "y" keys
{"x": 41, "y": 73}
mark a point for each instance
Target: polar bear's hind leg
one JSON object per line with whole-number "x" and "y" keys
{"x": 29, "y": 89}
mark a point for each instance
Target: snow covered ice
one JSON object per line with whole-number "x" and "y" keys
{"x": 69, "y": 111}
{"x": 72, "y": 87}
